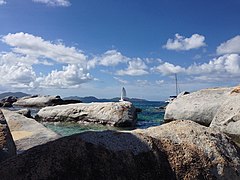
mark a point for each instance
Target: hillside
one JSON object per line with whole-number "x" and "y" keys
{"x": 16, "y": 94}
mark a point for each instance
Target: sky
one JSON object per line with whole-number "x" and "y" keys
{"x": 94, "y": 48}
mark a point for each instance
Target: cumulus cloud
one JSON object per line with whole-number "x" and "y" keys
{"x": 2, "y": 2}
{"x": 221, "y": 68}
{"x": 180, "y": 43}
{"x": 71, "y": 76}
{"x": 111, "y": 58}
{"x": 135, "y": 67}
{"x": 230, "y": 46}
{"x": 168, "y": 69}
{"x": 16, "y": 74}
{"x": 28, "y": 50}
{"x": 36, "y": 47}
{"x": 64, "y": 3}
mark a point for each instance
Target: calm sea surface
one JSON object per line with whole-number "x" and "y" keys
{"x": 151, "y": 115}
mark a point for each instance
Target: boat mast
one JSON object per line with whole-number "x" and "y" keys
{"x": 176, "y": 84}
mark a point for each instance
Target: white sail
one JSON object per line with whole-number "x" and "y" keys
{"x": 123, "y": 94}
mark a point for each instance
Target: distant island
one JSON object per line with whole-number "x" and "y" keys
{"x": 87, "y": 99}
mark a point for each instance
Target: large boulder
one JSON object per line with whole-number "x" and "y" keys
{"x": 177, "y": 150}
{"x": 91, "y": 155}
{"x": 227, "y": 118}
{"x": 7, "y": 146}
{"x": 27, "y": 132}
{"x": 121, "y": 114}
{"x": 218, "y": 107}
{"x": 7, "y": 101}
{"x": 197, "y": 152}
{"x": 38, "y": 101}
{"x": 200, "y": 106}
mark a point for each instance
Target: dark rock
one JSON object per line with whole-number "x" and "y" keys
{"x": 25, "y": 112}
{"x": 177, "y": 150}
{"x": 91, "y": 155}
{"x": 7, "y": 146}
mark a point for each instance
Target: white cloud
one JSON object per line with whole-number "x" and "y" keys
{"x": 229, "y": 64}
{"x": 16, "y": 74}
{"x": 168, "y": 69}
{"x": 37, "y": 48}
{"x": 64, "y": 3}
{"x": 231, "y": 46}
{"x": 135, "y": 67}
{"x": 28, "y": 50}
{"x": 218, "y": 69}
{"x": 2, "y": 2}
{"x": 121, "y": 80}
{"x": 159, "y": 82}
{"x": 111, "y": 58}
{"x": 180, "y": 43}
{"x": 70, "y": 77}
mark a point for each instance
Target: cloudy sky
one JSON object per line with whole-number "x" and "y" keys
{"x": 93, "y": 47}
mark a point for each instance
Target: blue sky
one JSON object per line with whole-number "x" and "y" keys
{"x": 92, "y": 47}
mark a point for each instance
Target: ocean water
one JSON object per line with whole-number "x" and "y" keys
{"x": 150, "y": 116}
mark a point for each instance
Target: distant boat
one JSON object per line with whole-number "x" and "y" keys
{"x": 123, "y": 95}
{"x": 171, "y": 98}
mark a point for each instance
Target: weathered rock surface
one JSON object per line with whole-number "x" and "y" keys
{"x": 227, "y": 118}
{"x": 42, "y": 101}
{"x": 121, "y": 114}
{"x": 7, "y": 101}
{"x": 25, "y": 112}
{"x": 177, "y": 150}
{"x": 7, "y": 146}
{"x": 38, "y": 101}
{"x": 27, "y": 132}
{"x": 92, "y": 155}
{"x": 197, "y": 152}
{"x": 219, "y": 108}
{"x": 200, "y": 106}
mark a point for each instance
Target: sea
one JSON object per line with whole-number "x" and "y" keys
{"x": 151, "y": 115}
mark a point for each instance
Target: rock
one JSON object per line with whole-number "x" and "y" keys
{"x": 200, "y": 106}
{"x": 7, "y": 146}
{"x": 227, "y": 118}
{"x": 25, "y": 112}
{"x": 177, "y": 150}
{"x": 8, "y": 101}
{"x": 27, "y": 132}
{"x": 197, "y": 152}
{"x": 43, "y": 101}
{"x": 219, "y": 108}
{"x": 38, "y": 101}
{"x": 121, "y": 114}
{"x": 91, "y": 155}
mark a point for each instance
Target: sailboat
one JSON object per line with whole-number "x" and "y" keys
{"x": 123, "y": 95}
{"x": 171, "y": 98}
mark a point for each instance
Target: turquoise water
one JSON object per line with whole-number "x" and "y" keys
{"x": 150, "y": 116}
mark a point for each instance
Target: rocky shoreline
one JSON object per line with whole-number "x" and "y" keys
{"x": 199, "y": 143}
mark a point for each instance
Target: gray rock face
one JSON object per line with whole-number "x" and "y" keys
{"x": 177, "y": 150}
{"x": 197, "y": 152}
{"x": 25, "y": 112}
{"x": 7, "y": 146}
{"x": 200, "y": 106}
{"x": 27, "y": 132}
{"x": 38, "y": 101}
{"x": 219, "y": 108}
{"x": 227, "y": 118}
{"x": 121, "y": 114}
